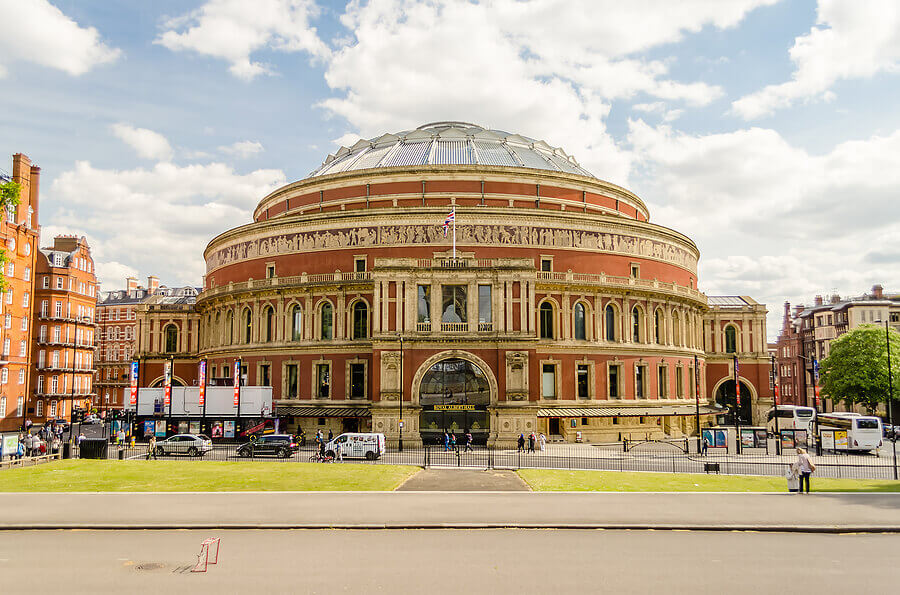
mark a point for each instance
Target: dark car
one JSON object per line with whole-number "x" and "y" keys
{"x": 278, "y": 445}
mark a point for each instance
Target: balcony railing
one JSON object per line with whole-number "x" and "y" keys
{"x": 454, "y": 327}
{"x": 336, "y": 277}
{"x": 630, "y": 282}
{"x": 423, "y": 327}
{"x": 485, "y": 327}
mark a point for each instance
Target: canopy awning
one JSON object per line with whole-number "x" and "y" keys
{"x": 324, "y": 411}
{"x": 622, "y": 411}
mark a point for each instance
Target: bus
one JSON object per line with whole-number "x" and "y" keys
{"x": 791, "y": 417}
{"x": 863, "y": 431}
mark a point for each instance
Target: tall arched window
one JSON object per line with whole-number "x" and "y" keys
{"x": 580, "y": 332}
{"x": 658, "y": 326}
{"x": 269, "y": 323}
{"x": 327, "y": 319}
{"x": 610, "y": 323}
{"x": 636, "y": 324}
{"x": 296, "y": 323}
{"x": 247, "y": 325}
{"x": 360, "y": 320}
{"x": 229, "y": 328}
{"x": 171, "y": 333}
{"x": 676, "y": 329}
{"x": 730, "y": 339}
{"x": 546, "y": 320}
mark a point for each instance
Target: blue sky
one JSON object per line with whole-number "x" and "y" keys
{"x": 766, "y": 130}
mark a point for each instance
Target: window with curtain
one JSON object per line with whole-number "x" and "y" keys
{"x": 453, "y": 303}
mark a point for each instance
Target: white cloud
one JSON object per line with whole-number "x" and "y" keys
{"x": 242, "y": 149}
{"x": 156, "y": 220}
{"x": 36, "y": 31}
{"x": 851, "y": 40}
{"x": 146, "y": 143}
{"x": 235, "y": 29}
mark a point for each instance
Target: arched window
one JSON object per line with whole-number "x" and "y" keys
{"x": 730, "y": 339}
{"x": 360, "y": 320}
{"x": 636, "y": 324}
{"x": 247, "y": 325}
{"x": 171, "y": 338}
{"x": 296, "y": 323}
{"x": 229, "y": 328}
{"x": 327, "y": 327}
{"x": 676, "y": 329}
{"x": 610, "y": 323}
{"x": 269, "y": 323}
{"x": 580, "y": 333}
{"x": 546, "y": 316}
{"x": 658, "y": 326}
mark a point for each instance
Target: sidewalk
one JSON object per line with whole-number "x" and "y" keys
{"x": 408, "y": 510}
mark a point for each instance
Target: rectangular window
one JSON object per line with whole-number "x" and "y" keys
{"x": 323, "y": 381}
{"x": 25, "y": 298}
{"x": 54, "y": 385}
{"x": 4, "y": 376}
{"x": 9, "y": 296}
{"x": 424, "y": 304}
{"x": 39, "y": 409}
{"x": 40, "y": 386}
{"x": 58, "y": 310}
{"x": 28, "y": 273}
{"x": 546, "y": 265}
{"x": 453, "y": 304}
{"x": 614, "y": 382}
{"x": 662, "y": 382}
{"x": 270, "y": 271}
{"x": 357, "y": 381}
{"x": 548, "y": 381}
{"x": 581, "y": 381}
{"x": 56, "y": 334}
{"x": 484, "y": 307}
{"x": 359, "y": 264}
{"x": 23, "y": 348}
{"x": 44, "y": 306}
{"x": 640, "y": 381}
{"x": 20, "y": 406}
{"x": 635, "y": 271}
{"x": 11, "y": 270}
{"x": 52, "y": 409}
{"x": 2, "y": 406}
{"x": 24, "y": 326}
{"x": 679, "y": 383}
{"x": 264, "y": 379}
{"x": 46, "y": 281}
{"x": 59, "y": 282}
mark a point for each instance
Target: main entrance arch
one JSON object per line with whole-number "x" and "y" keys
{"x": 726, "y": 396}
{"x": 454, "y": 394}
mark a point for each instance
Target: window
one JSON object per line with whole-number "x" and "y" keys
{"x": 28, "y": 273}
{"x": 269, "y": 322}
{"x": 229, "y": 327}
{"x": 296, "y": 323}
{"x": 58, "y": 311}
{"x": 4, "y": 375}
{"x": 40, "y": 385}
{"x": 247, "y": 325}
{"x": 2, "y": 407}
{"x": 54, "y": 385}
{"x": 635, "y": 271}
{"x": 658, "y": 327}
{"x": 679, "y": 383}
{"x": 11, "y": 270}
{"x": 360, "y": 320}
{"x": 293, "y": 380}
{"x": 546, "y": 265}
{"x": 546, "y": 320}
{"x": 24, "y": 325}
{"x": 613, "y": 381}
{"x": 9, "y": 296}
{"x": 264, "y": 375}
{"x": 676, "y": 329}
{"x": 46, "y": 281}
{"x": 23, "y": 348}
{"x": 7, "y": 321}
{"x": 57, "y": 337}
{"x": 171, "y": 333}
{"x": 59, "y": 282}
{"x": 323, "y": 381}
{"x": 424, "y": 304}
{"x": 20, "y": 407}
{"x": 359, "y": 264}
{"x": 640, "y": 381}
{"x": 6, "y": 347}
{"x": 357, "y": 381}
{"x": 582, "y": 381}
{"x": 52, "y": 409}
{"x": 453, "y": 304}
{"x": 484, "y": 308}
{"x": 44, "y": 306}
{"x": 42, "y": 358}
{"x": 730, "y": 339}
{"x": 636, "y": 324}
{"x": 579, "y": 322}
{"x": 270, "y": 271}
{"x": 326, "y": 323}
{"x": 39, "y": 409}
{"x": 548, "y": 381}
{"x": 55, "y": 359}
{"x": 610, "y": 323}
{"x": 662, "y": 382}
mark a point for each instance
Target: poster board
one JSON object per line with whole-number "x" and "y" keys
{"x": 748, "y": 438}
{"x": 827, "y": 439}
{"x": 229, "y": 429}
{"x": 9, "y": 445}
{"x": 149, "y": 427}
{"x": 182, "y": 427}
{"x": 194, "y": 427}
{"x": 787, "y": 439}
{"x": 160, "y": 428}
{"x": 840, "y": 440}
{"x": 216, "y": 429}
{"x": 721, "y": 439}
{"x": 801, "y": 438}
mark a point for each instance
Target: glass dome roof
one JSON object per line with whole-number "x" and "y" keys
{"x": 450, "y": 143}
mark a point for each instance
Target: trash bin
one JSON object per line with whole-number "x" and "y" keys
{"x": 67, "y": 450}
{"x": 121, "y": 454}
{"x": 93, "y": 448}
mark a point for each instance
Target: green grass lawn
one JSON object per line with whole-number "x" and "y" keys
{"x": 548, "y": 480}
{"x": 199, "y": 476}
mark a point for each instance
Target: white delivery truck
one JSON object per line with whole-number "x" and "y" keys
{"x": 357, "y": 445}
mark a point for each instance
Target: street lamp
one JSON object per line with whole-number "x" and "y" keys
{"x": 890, "y": 416}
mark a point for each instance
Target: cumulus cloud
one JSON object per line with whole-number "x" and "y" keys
{"x": 157, "y": 220}
{"x": 146, "y": 143}
{"x": 38, "y": 32}
{"x": 851, "y": 40}
{"x": 242, "y": 149}
{"x": 233, "y": 30}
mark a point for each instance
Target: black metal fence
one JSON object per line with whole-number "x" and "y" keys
{"x": 650, "y": 456}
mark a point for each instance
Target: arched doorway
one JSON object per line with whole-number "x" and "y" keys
{"x": 454, "y": 395}
{"x": 726, "y": 397}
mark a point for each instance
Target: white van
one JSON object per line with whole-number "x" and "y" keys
{"x": 357, "y": 445}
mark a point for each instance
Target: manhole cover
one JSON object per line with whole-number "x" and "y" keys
{"x": 150, "y": 566}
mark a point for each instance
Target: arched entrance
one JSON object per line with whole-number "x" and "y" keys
{"x": 726, "y": 397}
{"x": 454, "y": 395}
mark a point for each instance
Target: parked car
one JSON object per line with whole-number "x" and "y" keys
{"x": 184, "y": 444}
{"x": 279, "y": 445}
{"x": 93, "y": 419}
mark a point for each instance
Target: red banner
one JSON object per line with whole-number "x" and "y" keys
{"x": 134, "y": 383}
{"x": 202, "y": 400}
{"x": 237, "y": 382}
{"x": 168, "y": 383}
{"x": 776, "y": 393}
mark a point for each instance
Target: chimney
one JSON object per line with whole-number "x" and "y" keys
{"x": 35, "y": 191}
{"x": 835, "y": 298}
{"x": 131, "y": 283}
{"x": 152, "y": 284}
{"x": 799, "y": 308}
{"x": 21, "y": 174}
{"x": 819, "y": 300}
{"x": 877, "y": 292}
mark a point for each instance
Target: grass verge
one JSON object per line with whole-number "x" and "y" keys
{"x": 549, "y": 480}
{"x": 200, "y": 476}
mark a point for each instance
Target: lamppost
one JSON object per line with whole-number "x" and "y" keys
{"x": 890, "y": 412}
{"x": 400, "y": 401}
{"x": 775, "y": 403}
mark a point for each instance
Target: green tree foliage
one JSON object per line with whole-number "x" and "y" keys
{"x": 856, "y": 370}
{"x": 9, "y": 195}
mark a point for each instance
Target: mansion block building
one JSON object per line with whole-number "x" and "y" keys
{"x": 546, "y": 302}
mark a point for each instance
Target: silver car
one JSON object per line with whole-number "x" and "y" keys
{"x": 194, "y": 445}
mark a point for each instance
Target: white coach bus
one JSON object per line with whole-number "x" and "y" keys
{"x": 791, "y": 417}
{"x": 863, "y": 431}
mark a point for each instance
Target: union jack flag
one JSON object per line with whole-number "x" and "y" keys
{"x": 450, "y": 219}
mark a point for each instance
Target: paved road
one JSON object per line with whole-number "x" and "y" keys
{"x": 235, "y": 510}
{"x": 437, "y": 562}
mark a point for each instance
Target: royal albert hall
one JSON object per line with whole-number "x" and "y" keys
{"x": 563, "y": 309}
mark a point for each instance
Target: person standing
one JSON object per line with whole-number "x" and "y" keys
{"x": 338, "y": 452}
{"x": 705, "y": 444}
{"x": 446, "y": 440}
{"x": 330, "y": 435}
{"x": 531, "y": 442}
{"x": 804, "y": 461}
{"x": 151, "y": 448}
{"x": 453, "y": 441}
{"x": 520, "y": 444}
{"x": 543, "y": 440}
{"x": 468, "y": 441}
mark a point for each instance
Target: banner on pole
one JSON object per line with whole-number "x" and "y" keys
{"x": 202, "y": 398}
{"x": 134, "y": 383}
{"x": 237, "y": 382}
{"x": 737, "y": 381}
{"x": 168, "y": 383}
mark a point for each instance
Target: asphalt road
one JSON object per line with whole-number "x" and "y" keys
{"x": 447, "y": 561}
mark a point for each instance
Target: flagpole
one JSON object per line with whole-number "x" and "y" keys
{"x": 454, "y": 233}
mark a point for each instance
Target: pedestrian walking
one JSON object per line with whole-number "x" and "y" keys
{"x": 804, "y": 462}
{"x": 520, "y": 443}
{"x": 468, "y": 441}
{"x": 330, "y": 435}
{"x": 338, "y": 452}
{"x": 151, "y": 448}
{"x": 705, "y": 445}
{"x": 543, "y": 440}
{"x": 120, "y": 436}
{"x": 20, "y": 450}
{"x": 453, "y": 441}
{"x": 29, "y": 445}
{"x": 446, "y": 440}
{"x": 531, "y": 440}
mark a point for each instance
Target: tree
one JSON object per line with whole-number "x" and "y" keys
{"x": 856, "y": 370}
{"x": 9, "y": 196}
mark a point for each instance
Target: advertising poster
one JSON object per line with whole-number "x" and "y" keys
{"x": 787, "y": 439}
{"x": 237, "y": 382}
{"x": 9, "y": 445}
{"x": 202, "y": 382}
{"x": 709, "y": 438}
{"x": 216, "y": 429}
{"x": 801, "y": 438}
{"x": 747, "y": 438}
{"x": 229, "y": 429}
{"x": 182, "y": 427}
{"x": 840, "y": 440}
{"x": 761, "y": 437}
{"x": 149, "y": 427}
{"x": 167, "y": 391}
{"x": 161, "y": 428}
{"x": 828, "y": 439}
{"x": 194, "y": 427}
{"x": 721, "y": 439}
{"x": 134, "y": 383}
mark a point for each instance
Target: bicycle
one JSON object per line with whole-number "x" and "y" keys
{"x": 320, "y": 458}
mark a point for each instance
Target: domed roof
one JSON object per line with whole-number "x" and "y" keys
{"x": 450, "y": 143}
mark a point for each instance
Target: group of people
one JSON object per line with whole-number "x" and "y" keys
{"x": 532, "y": 440}
{"x": 451, "y": 442}
{"x": 45, "y": 440}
